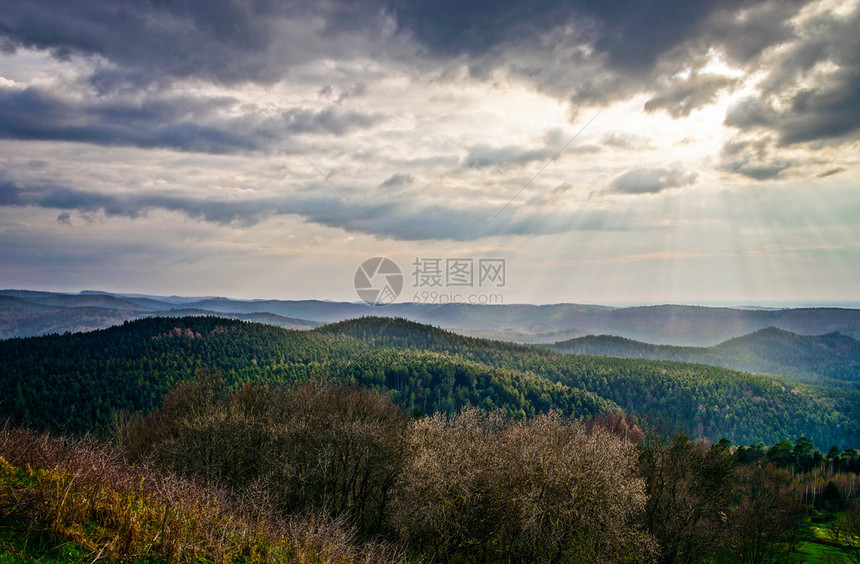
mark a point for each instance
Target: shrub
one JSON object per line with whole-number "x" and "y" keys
{"x": 311, "y": 448}
{"x": 546, "y": 489}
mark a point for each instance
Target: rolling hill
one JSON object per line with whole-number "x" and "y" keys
{"x": 76, "y": 382}
{"x": 830, "y": 356}
{"x": 677, "y": 325}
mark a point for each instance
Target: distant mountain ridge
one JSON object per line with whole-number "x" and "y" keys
{"x": 267, "y": 318}
{"x": 26, "y": 313}
{"x": 770, "y": 350}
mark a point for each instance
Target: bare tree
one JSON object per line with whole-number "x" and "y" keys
{"x": 848, "y": 532}
{"x": 543, "y": 490}
{"x": 689, "y": 494}
{"x": 767, "y": 517}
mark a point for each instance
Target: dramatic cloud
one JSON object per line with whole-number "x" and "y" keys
{"x": 396, "y": 219}
{"x": 811, "y": 91}
{"x": 218, "y": 40}
{"x": 631, "y": 38}
{"x": 597, "y": 52}
{"x": 593, "y": 51}
{"x": 265, "y": 128}
{"x": 743, "y": 35}
{"x": 184, "y": 123}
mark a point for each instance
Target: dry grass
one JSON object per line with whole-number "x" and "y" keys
{"x": 57, "y": 491}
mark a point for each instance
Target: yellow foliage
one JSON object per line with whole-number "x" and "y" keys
{"x": 123, "y": 525}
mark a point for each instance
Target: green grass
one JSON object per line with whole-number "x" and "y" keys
{"x": 811, "y": 552}
{"x": 818, "y": 547}
{"x": 19, "y": 546}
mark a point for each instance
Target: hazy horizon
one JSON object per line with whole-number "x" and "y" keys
{"x": 799, "y": 304}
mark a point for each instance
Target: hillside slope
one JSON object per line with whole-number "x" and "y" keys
{"x": 831, "y": 356}
{"x": 75, "y": 382}
{"x": 711, "y": 402}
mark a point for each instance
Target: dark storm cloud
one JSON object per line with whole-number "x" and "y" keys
{"x": 590, "y": 52}
{"x": 176, "y": 38}
{"x": 651, "y": 180}
{"x": 825, "y": 108}
{"x": 597, "y": 53}
{"x": 594, "y": 52}
{"x": 224, "y": 41}
{"x": 809, "y": 96}
{"x": 211, "y": 37}
{"x": 233, "y": 41}
{"x": 827, "y": 112}
{"x": 631, "y": 33}
{"x": 184, "y": 123}
{"x": 745, "y": 34}
{"x": 147, "y": 41}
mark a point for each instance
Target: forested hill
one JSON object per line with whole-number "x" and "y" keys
{"x": 770, "y": 350}
{"x": 711, "y": 401}
{"x": 75, "y": 382}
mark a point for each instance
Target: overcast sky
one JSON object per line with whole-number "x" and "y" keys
{"x": 632, "y": 151}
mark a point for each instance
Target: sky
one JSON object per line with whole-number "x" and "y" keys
{"x": 608, "y": 152}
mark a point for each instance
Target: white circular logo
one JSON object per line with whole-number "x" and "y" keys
{"x": 378, "y": 281}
